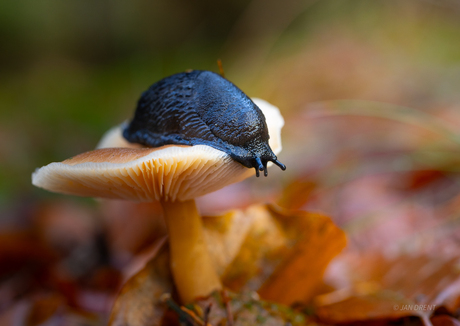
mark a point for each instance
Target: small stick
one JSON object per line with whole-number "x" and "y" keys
{"x": 206, "y": 314}
{"x": 166, "y": 298}
{"x": 193, "y": 315}
{"x": 221, "y": 68}
{"x": 227, "y": 307}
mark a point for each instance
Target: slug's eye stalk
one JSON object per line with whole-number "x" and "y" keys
{"x": 281, "y": 165}
{"x": 261, "y": 165}
{"x": 265, "y": 169}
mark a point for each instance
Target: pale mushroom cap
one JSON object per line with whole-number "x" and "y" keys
{"x": 146, "y": 174}
{"x": 114, "y": 138}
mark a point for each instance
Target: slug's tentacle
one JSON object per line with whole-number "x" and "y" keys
{"x": 262, "y": 165}
{"x": 281, "y": 165}
{"x": 259, "y": 164}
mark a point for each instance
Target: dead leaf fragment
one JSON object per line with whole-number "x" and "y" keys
{"x": 319, "y": 240}
{"x": 259, "y": 252}
{"x": 138, "y": 303}
{"x": 405, "y": 285}
{"x": 382, "y": 304}
{"x": 43, "y": 308}
{"x": 444, "y": 320}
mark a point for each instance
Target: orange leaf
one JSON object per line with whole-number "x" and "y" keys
{"x": 255, "y": 249}
{"x": 365, "y": 307}
{"x": 319, "y": 240}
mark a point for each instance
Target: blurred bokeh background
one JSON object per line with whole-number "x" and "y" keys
{"x": 71, "y": 70}
{"x": 369, "y": 91}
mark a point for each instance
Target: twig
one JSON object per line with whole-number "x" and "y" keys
{"x": 194, "y": 316}
{"x": 206, "y": 314}
{"x": 227, "y": 307}
{"x": 166, "y": 298}
{"x": 221, "y": 68}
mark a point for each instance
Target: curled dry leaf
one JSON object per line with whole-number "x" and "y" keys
{"x": 363, "y": 305}
{"x": 138, "y": 303}
{"x": 245, "y": 246}
{"x": 280, "y": 253}
{"x": 401, "y": 286}
{"x": 262, "y": 248}
{"x": 317, "y": 241}
{"x": 143, "y": 301}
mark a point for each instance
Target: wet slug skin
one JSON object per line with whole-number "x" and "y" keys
{"x": 203, "y": 108}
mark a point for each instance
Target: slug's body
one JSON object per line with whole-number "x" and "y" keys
{"x": 203, "y": 108}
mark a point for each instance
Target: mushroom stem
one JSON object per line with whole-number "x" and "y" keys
{"x": 193, "y": 272}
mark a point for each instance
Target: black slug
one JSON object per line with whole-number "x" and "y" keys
{"x": 203, "y": 108}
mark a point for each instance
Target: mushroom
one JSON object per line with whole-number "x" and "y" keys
{"x": 171, "y": 174}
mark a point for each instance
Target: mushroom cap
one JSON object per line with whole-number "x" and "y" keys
{"x": 121, "y": 170}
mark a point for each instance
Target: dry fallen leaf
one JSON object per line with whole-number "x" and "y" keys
{"x": 138, "y": 303}
{"x": 144, "y": 300}
{"x": 280, "y": 253}
{"x": 443, "y": 320}
{"x": 362, "y": 304}
{"x": 401, "y": 286}
{"x": 253, "y": 246}
{"x": 318, "y": 241}
{"x": 43, "y": 308}
{"x": 258, "y": 248}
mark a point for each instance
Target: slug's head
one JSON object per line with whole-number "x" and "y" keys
{"x": 261, "y": 165}
{"x": 256, "y": 154}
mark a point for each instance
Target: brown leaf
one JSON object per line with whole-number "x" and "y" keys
{"x": 359, "y": 306}
{"x": 443, "y": 320}
{"x": 319, "y": 240}
{"x": 43, "y": 308}
{"x": 246, "y": 247}
{"x": 260, "y": 248}
{"x": 251, "y": 247}
{"x": 138, "y": 303}
{"x": 225, "y": 235}
{"x": 421, "y": 283}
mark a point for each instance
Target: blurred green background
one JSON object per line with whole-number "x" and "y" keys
{"x": 72, "y": 69}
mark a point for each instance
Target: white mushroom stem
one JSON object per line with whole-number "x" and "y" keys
{"x": 191, "y": 266}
